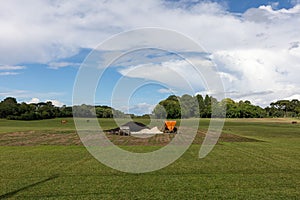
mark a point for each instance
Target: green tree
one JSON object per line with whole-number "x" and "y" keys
{"x": 200, "y": 104}
{"x": 83, "y": 111}
{"x": 189, "y": 106}
{"x": 9, "y": 106}
{"x": 104, "y": 112}
{"x": 171, "y": 106}
{"x": 207, "y": 109}
{"x": 159, "y": 112}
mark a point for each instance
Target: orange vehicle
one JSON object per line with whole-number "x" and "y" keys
{"x": 169, "y": 127}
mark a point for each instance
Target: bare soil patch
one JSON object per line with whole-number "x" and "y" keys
{"x": 33, "y": 138}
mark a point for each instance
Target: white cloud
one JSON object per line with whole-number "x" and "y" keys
{"x": 58, "y": 65}
{"x": 295, "y": 2}
{"x": 7, "y": 70}
{"x": 295, "y": 96}
{"x": 4, "y": 92}
{"x": 227, "y": 77}
{"x": 258, "y": 71}
{"x": 8, "y": 73}
{"x": 275, "y": 5}
{"x": 34, "y": 100}
{"x": 141, "y": 108}
{"x": 28, "y": 96}
{"x": 179, "y": 74}
{"x": 56, "y": 103}
{"x": 10, "y": 68}
{"x": 166, "y": 91}
{"x": 256, "y": 51}
{"x": 56, "y": 29}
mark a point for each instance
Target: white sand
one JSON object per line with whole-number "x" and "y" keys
{"x": 153, "y": 130}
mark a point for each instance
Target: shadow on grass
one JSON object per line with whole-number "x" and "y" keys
{"x": 10, "y": 194}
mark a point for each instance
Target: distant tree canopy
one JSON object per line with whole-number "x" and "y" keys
{"x": 243, "y": 109}
{"x": 172, "y": 107}
{"x": 96, "y": 111}
{"x": 188, "y": 106}
{"x": 284, "y": 108}
{"x": 11, "y": 109}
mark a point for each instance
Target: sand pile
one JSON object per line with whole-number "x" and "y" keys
{"x": 153, "y": 130}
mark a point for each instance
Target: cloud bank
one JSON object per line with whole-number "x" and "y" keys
{"x": 257, "y": 52}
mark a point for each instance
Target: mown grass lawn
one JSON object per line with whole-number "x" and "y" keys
{"x": 269, "y": 169}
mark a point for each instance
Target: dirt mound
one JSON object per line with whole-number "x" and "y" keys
{"x": 133, "y": 126}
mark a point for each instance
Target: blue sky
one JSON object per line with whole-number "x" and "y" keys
{"x": 253, "y": 44}
{"x": 239, "y": 6}
{"x": 242, "y": 6}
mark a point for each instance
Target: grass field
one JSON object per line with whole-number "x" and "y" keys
{"x": 264, "y": 163}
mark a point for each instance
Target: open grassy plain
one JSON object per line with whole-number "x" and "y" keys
{"x": 45, "y": 160}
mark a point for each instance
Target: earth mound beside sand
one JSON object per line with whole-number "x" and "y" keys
{"x": 133, "y": 126}
{"x": 136, "y": 126}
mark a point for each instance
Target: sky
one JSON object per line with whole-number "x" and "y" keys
{"x": 254, "y": 45}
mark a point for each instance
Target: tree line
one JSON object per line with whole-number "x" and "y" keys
{"x": 11, "y": 109}
{"x": 188, "y": 106}
{"x": 173, "y": 107}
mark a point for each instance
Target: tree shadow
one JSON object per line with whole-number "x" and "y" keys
{"x": 10, "y": 194}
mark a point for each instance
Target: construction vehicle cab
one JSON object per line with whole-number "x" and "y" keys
{"x": 169, "y": 127}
